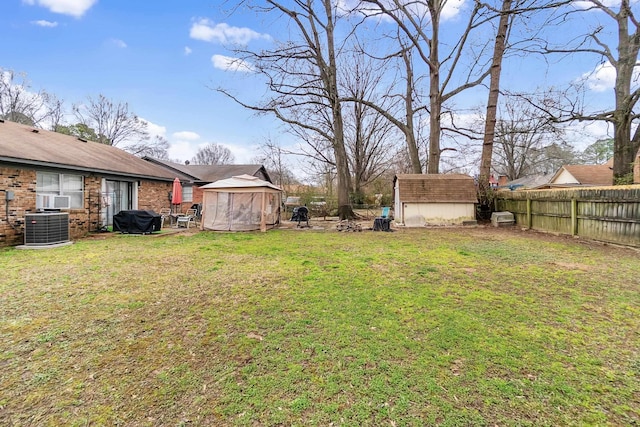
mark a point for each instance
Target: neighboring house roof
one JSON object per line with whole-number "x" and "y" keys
{"x": 25, "y": 145}
{"x": 211, "y": 173}
{"x": 242, "y": 181}
{"x": 528, "y": 182}
{"x": 436, "y": 188}
{"x": 584, "y": 175}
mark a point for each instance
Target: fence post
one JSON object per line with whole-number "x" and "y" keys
{"x": 529, "y": 219}
{"x": 574, "y": 217}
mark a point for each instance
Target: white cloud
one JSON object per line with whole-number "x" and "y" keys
{"x": 602, "y": 78}
{"x": 117, "y": 43}
{"x": 589, "y": 5}
{"x": 228, "y": 63}
{"x": 451, "y": 9}
{"x": 44, "y": 23}
{"x": 182, "y": 150}
{"x": 222, "y": 33}
{"x": 75, "y": 8}
{"x": 186, "y": 135}
{"x": 187, "y": 51}
{"x": 242, "y": 155}
{"x": 154, "y": 129}
{"x": 582, "y": 134}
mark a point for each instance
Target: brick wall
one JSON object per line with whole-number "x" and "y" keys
{"x": 23, "y": 184}
{"x": 152, "y": 195}
{"x": 197, "y": 194}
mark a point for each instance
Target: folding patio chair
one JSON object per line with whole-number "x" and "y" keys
{"x": 383, "y": 222}
{"x": 190, "y": 216}
{"x": 164, "y": 213}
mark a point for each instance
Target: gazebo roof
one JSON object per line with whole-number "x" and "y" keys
{"x": 241, "y": 181}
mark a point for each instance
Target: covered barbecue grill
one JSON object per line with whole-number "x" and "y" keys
{"x": 137, "y": 222}
{"x": 300, "y": 214}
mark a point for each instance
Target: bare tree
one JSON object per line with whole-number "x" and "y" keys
{"x": 19, "y": 104}
{"x": 213, "y": 154}
{"x": 302, "y": 77}
{"x": 113, "y": 123}
{"x": 461, "y": 67}
{"x": 405, "y": 102}
{"x": 522, "y": 136}
{"x": 627, "y": 29}
{"x": 156, "y": 147}
{"x": 273, "y": 157}
{"x": 56, "y": 112}
{"x": 492, "y": 101}
{"x": 369, "y": 136}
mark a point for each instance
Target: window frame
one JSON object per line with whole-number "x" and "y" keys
{"x": 187, "y": 196}
{"x": 63, "y": 180}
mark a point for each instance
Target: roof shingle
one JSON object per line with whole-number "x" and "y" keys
{"x": 213, "y": 173}
{"x": 591, "y": 174}
{"x": 20, "y": 144}
{"x": 436, "y": 188}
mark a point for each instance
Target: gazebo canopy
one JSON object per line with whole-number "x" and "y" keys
{"x": 242, "y": 202}
{"x": 241, "y": 181}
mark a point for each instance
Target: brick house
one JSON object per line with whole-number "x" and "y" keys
{"x": 95, "y": 180}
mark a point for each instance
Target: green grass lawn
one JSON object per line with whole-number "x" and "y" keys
{"x": 451, "y": 327}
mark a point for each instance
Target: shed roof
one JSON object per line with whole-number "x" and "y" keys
{"x": 436, "y": 188}
{"x": 25, "y": 145}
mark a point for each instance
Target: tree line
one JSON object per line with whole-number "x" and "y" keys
{"x": 352, "y": 78}
{"x": 372, "y": 86}
{"x": 98, "y": 119}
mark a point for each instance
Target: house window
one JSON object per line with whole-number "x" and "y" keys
{"x": 62, "y": 185}
{"x": 187, "y": 193}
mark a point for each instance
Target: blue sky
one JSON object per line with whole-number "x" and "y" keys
{"x": 134, "y": 52}
{"x": 164, "y": 57}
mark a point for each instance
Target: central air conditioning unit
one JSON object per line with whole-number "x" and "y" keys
{"x": 52, "y": 201}
{"x": 46, "y": 228}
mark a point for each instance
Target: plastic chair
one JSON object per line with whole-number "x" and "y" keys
{"x": 190, "y": 216}
{"x": 383, "y": 222}
{"x": 164, "y": 213}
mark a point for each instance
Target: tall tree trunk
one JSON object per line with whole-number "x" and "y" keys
{"x": 342, "y": 161}
{"x": 624, "y": 148}
{"x": 492, "y": 102}
{"x": 435, "y": 95}
{"x": 409, "y": 130}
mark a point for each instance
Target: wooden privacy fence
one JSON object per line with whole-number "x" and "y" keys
{"x": 608, "y": 214}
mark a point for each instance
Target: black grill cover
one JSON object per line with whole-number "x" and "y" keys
{"x": 137, "y": 222}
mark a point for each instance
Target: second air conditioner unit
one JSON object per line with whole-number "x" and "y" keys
{"x": 52, "y": 201}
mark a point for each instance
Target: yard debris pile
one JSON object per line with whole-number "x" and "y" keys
{"x": 347, "y": 225}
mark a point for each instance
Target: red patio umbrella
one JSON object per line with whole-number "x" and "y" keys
{"x": 176, "y": 194}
